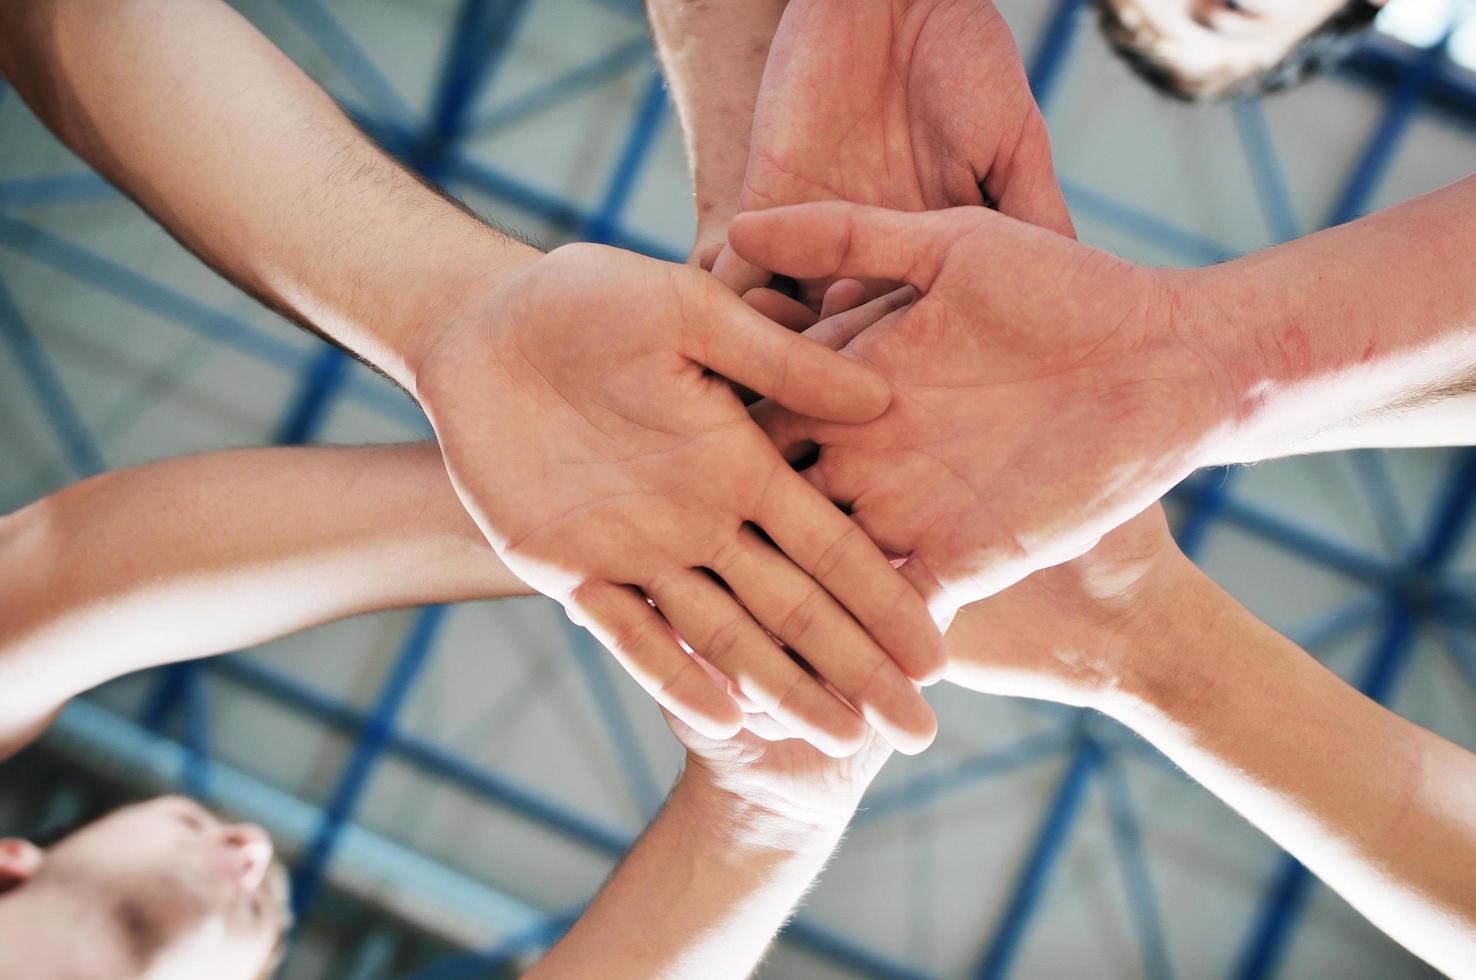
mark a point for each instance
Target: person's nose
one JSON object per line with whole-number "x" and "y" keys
{"x": 252, "y": 850}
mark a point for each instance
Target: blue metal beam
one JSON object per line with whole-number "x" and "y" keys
{"x": 1203, "y": 508}
{"x": 1371, "y": 467}
{"x": 348, "y": 57}
{"x": 604, "y": 226}
{"x": 1191, "y": 245}
{"x": 46, "y": 385}
{"x": 1049, "y": 56}
{"x": 29, "y": 192}
{"x": 322, "y": 378}
{"x": 501, "y": 791}
{"x": 1372, "y": 164}
{"x": 593, "y": 664}
{"x": 372, "y": 740}
{"x": 1454, "y": 515}
{"x": 930, "y": 787}
{"x": 566, "y": 86}
{"x": 1287, "y": 897}
{"x": 475, "y": 48}
{"x": 1335, "y": 556}
{"x": 1266, "y": 172}
{"x": 1050, "y": 839}
{"x": 1134, "y": 866}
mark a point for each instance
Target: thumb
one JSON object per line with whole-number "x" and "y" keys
{"x": 835, "y": 238}
{"x": 1025, "y": 186}
{"x": 941, "y": 604}
{"x": 735, "y": 273}
{"x": 748, "y": 348}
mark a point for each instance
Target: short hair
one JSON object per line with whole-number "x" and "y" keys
{"x": 1324, "y": 46}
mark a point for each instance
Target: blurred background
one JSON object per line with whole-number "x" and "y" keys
{"x": 451, "y": 784}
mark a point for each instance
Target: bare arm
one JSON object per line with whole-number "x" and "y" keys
{"x": 553, "y": 382}
{"x": 218, "y": 135}
{"x": 1362, "y": 335}
{"x": 209, "y": 553}
{"x": 705, "y": 890}
{"x": 713, "y": 55}
{"x": 1382, "y": 810}
{"x": 697, "y": 896}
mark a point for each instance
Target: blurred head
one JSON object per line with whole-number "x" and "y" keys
{"x": 1210, "y": 49}
{"x": 161, "y": 889}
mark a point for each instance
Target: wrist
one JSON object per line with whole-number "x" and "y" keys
{"x": 461, "y": 292}
{"x": 746, "y": 825}
{"x": 1162, "y": 672}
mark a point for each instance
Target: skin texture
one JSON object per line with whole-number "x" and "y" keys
{"x": 248, "y": 163}
{"x": 1135, "y": 630}
{"x": 646, "y": 497}
{"x": 1046, "y": 391}
{"x": 161, "y": 889}
{"x": 906, "y": 104}
{"x": 745, "y": 833}
{"x": 1131, "y": 628}
{"x": 977, "y": 470}
{"x": 713, "y": 57}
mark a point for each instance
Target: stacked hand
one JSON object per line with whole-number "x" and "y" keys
{"x": 1072, "y": 633}
{"x": 906, "y": 104}
{"x": 606, "y": 465}
{"x": 1044, "y": 391}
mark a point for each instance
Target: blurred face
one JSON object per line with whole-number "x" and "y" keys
{"x": 1215, "y": 44}
{"x": 166, "y": 889}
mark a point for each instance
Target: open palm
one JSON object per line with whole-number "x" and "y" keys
{"x": 585, "y": 433}
{"x": 906, "y": 104}
{"x": 1042, "y": 394}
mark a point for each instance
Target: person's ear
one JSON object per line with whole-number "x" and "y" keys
{"x": 19, "y": 861}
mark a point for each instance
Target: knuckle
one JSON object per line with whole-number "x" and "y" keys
{"x": 728, "y": 554}
{"x": 725, "y": 642}
{"x": 803, "y": 617}
{"x": 837, "y": 551}
{"x": 673, "y": 681}
{"x": 631, "y": 634}
{"x": 784, "y": 701}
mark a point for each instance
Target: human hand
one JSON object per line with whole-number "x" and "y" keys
{"x": 1043, "y": 391}
{"x": 907, "y": 104}
{"x": 582, "y": 430}
{"x": 1071, "y": 633}
{"x": 780, "y": 790}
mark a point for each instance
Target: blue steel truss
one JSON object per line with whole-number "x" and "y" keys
{"x": 1407, "y": 590}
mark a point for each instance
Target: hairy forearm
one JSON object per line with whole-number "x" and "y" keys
{"x": 702, "y": 894}
{"x": 1361, "y": 335}
{"x": 209, "y": 553}
{"x": 713, "y": 55}
{"x": 215, "y": 132}
{"x": 1379, "y": 808}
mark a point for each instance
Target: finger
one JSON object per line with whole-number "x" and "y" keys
{"x": 840, "y": 329}
{"x": 750, "y": 349}
{"x": 812, "y": 623}
{"x": 622, "y": 620}
{"x": 836, "y": 238}
{"x": 790, "y": 433}
{"x": 725, "y": 635}
{"x": 767, "y": 728}
{"x": 1025, "y": 185}
{"x": 941, "y": 605}
{"x": 737, "y": 273}
{"x": 783, "y": 310}
{"x": 843, "y": 294}
{"x": 704, "y": 256}
{"x": 833, "y": 550}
